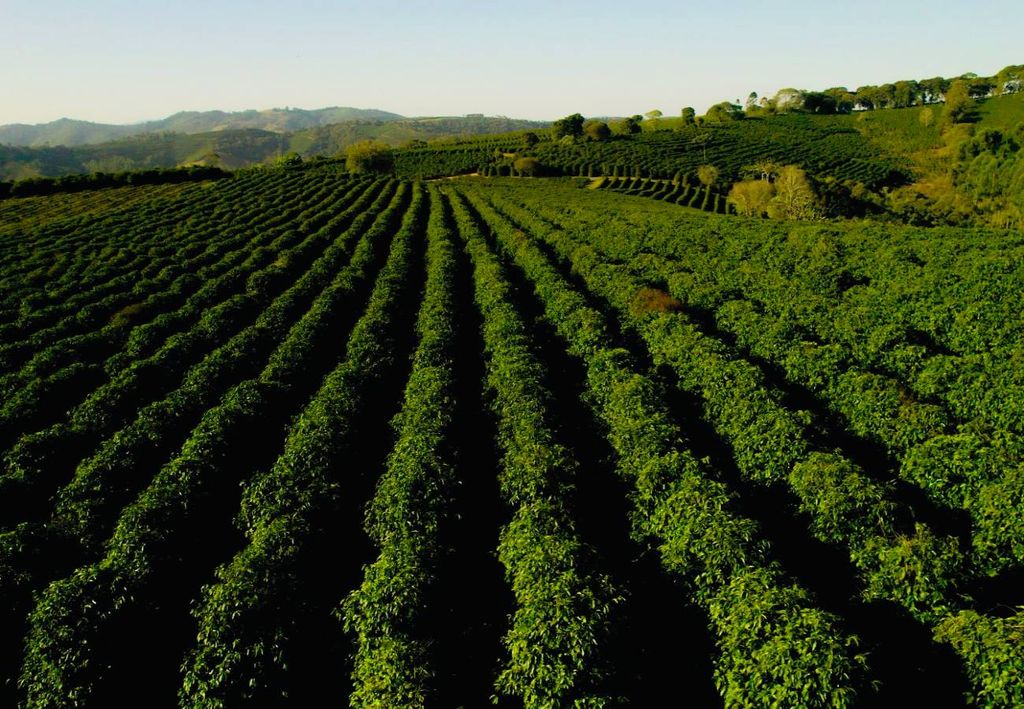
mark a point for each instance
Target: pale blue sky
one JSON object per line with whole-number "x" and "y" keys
{"x": 129, "y": 60}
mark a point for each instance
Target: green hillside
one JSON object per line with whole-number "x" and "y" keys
{"x": 69, "y": 133}
{"x": 907, "y": 164}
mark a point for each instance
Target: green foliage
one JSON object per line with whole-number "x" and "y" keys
{"x": 842, "y": 502}
{"x": 794, "y": 196}
{"x": 627, "y": 126}
{"x": 959, "y": 104}
{"x": 412, "y": 504}
{"x": 369, "y": 156}
{"x": 897, "y": 560}
{"x": 197, "y": 380}
{"x": 563, "y": 602}
{"x": 751, "y": 198}
{"x": 37, "y": 186}
{"x": 708, "y": 175}
{"x": 994, "y": 652}
{"x": 570, "y": 126}
{"x": 723, "y": 113}
{"x": 247, "y": 617}
{"x": 596, "y": 130}
{"x": 989, "y": 170}
{"x": 528, "y": 167}
{"x": 690, "y": 514}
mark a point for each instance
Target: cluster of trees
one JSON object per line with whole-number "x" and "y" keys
{"x": 576, "y": 126}
{"x": 778, "y": 191}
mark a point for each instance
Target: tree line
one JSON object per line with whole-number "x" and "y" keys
{"x": 37, "y": 186}
{"x": 899, "y": 94}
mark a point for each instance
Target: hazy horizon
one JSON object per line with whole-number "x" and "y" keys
{"x": 122, "y": 62}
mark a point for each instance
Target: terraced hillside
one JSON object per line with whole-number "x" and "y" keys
{"x": 300, "y": 436}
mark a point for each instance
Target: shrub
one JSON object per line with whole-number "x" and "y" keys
{"x": 369, "y": 156}
{"x": 528, "y": 167}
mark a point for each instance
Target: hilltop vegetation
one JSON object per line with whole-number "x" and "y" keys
{"x": 933, "y": 163}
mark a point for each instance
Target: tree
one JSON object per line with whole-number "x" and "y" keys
{"x": 751, "y": 104}
{"x": 934, "y": 89}
{"x": 369, "y": 156}
{"x": 959, "y": 104}
{"x": 751, "y": 197}
{"x": 885, "y": 96}
{"x": 788, "y": 100}
{"x": 688, "y": 116}
{"x": 1009, "y": 79}
{"x": 596, "y": 130}
{"x": 844, "y": 100}
{"x": 652, "y": 118}
{"x": 290, "y": 159}
{"x": 864, "y": 97}
{"x": 569, "y": 126}
{"x": 980, "y": 87}
{"x": 819, "y": 102}
{"x": 794, "y": 196}
{"x": 766, "y": 169}
{"x": 724, "y": 112}
{"x": 628, "y": 126}
{"x": 707, "y": 174}
{"x": 905, "y": 93}
{"x": 528, "y": 167}
{"x": 530, "y": 139}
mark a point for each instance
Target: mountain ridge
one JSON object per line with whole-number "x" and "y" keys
{"x": 71, "y": 132}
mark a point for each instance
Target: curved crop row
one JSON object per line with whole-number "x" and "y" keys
{"x": 44, "y": 397}
{"x": 563, "y": 602}
{"x": 412, "y": 503}
{"x": 175, "y": 508}
{"x": 40, "y": 460}
{"x": 248, "y": 619}
{"x": 94, "y": 305}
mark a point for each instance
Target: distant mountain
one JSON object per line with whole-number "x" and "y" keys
{"x": 63, "y": 131}
{"x": 71, "y": 133}
{"x": 233, "y": 148}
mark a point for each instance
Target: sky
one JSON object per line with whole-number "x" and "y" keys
{"x": 123, "y": 61}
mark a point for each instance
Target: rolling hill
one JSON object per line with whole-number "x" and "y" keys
{"x": 237, "y": 147}
{"x": 70, "y": 133}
